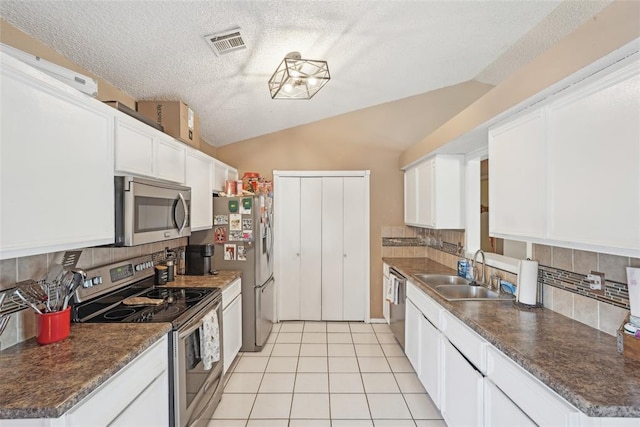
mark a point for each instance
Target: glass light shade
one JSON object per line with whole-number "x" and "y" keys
{"x": 298, "y": 78}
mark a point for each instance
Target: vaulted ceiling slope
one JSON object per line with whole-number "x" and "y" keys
{"x": 378, "y": 51}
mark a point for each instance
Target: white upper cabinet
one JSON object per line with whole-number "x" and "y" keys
{"x": 199, "y": 176}
{"x": 221, "y": 173}
{"x": 170, "y": 159}
{"x": 433, "y": 193}
{"x": 517, "y": 177}
{"x": 144, "y": 151}
{"x": 134, "y": 147}
{"x": 568, "y": 173}
{"x": 56, "y": 167}
{"x": 594, "y": 163}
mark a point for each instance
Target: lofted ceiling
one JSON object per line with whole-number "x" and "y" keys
{"x": 378, "y": 51}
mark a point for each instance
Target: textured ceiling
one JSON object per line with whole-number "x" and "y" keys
{"x": 378, "y": 51}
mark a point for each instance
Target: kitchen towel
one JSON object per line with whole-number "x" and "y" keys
{"x": 392, "y": 292}
{"x": 633, "y": 283}
{"x": 527, "y": 291}
{"x": 210, "y": 340}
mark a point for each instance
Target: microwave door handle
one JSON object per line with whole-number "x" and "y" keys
{"x": 186, "y": 213}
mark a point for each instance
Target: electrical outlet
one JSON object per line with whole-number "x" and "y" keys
{"x": 596, "y": 281}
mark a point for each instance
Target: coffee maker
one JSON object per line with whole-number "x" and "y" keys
{"x": 198, "y": 259}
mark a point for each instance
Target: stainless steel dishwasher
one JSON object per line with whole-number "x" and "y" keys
{"x": 398, "y": 295}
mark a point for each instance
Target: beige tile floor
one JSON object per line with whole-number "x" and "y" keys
{"x": 325, "y": 374}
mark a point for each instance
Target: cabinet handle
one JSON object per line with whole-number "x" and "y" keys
{"x": 345, "y": 255}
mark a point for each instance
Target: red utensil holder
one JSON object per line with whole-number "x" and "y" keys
{"x": 53, "y": 327}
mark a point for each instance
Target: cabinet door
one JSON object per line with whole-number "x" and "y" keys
{"x": 170, "y": 160}
{"x": 134, "y": 148}
{"x": 219, "y": 175}
{"x": 146, "y": 409}
{"x": 332, "y": 248}
{"x": 500, "y": 411}
{"x": 310, "y": 280}
{"x": 425, "y": 193}
{"x": 353, "y": 277}
{"x": 594, "y": 168}
{"x": 232, "y": 331}
{"x": 56, "y": 167}
{"x": 385, "y": 303}
{"x": 287, "y": 215}
{"x": 410, "y": 195}
{"x": 198, "y": 177}
{"x": 517, "y": 171}
{"x": 462, "y": 400}
{"x": 429, "y": 372}
{"x": 412, "y": 335}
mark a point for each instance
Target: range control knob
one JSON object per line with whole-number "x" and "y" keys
{"x": 87, "y": 283}
{"x": 138, "y": 267}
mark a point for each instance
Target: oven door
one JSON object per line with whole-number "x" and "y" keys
{"x": 196, "y": 391}
{"x": 150, "y": 211}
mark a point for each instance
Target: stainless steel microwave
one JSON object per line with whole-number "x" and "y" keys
{"x": 150, "y": 211}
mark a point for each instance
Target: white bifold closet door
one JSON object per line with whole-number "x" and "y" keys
{"x": 322, "y": 249}
{"x": 343, "y": 252}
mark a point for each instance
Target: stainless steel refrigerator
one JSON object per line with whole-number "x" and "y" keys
{"x": 243, "y": 238}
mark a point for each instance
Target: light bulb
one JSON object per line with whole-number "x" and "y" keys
{"x": 288, "y": 87}
{"x": 294, "y": 73}
{"x": 312, "y": 81}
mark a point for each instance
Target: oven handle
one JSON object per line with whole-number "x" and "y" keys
{"x": 186, "y": 213}
{"x": 192, "y": 328}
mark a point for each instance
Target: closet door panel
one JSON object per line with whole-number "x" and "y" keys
{"x": 287, "y": 205}
{"x": 310, "y": 248}
{"x": 332, "y": 248}
{"x": 354, "y": 262}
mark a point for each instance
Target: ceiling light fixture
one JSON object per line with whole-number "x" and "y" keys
{"x": 298, "y": 78}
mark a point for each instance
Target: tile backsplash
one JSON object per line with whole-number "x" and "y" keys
{"x": 22, "y": 324}
{"x": 563, "y": 274}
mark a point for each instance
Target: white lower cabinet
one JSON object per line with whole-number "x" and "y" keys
{"x": 137, "y": 395}
{"x": 412, "y": 335}
{"x": 231, "y": 322}
{"x": 500, "y": 411}
{"x": 462, "y": 403}
{"x": 430, "y": 359}
{"x": 535, "y": 399}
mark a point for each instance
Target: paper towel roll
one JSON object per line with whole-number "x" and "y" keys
{"x": 527, "y": 292}
{"x": 633, "y": 283}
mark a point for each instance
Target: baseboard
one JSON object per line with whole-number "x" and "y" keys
{"x": 378, "y": 320}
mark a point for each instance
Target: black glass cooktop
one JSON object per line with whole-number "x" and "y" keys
{"x": 175, "y": 301}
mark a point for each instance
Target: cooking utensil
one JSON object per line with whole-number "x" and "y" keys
{"x": 4, "y": 320}
{"x": 33, "y": 292}
{"x": 78, "y": 278}
{"x": 34, "y": 307}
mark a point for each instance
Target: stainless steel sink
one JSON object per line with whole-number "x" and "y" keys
{"x": 442, "y": 279}
{"x": 455, "y": 288}
{"x": 465, "y": 292}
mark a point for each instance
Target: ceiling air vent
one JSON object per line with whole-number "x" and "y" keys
{"x": 225, "y": 41}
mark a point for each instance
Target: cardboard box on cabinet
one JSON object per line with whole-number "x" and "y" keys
{"x": 177, "y": 118}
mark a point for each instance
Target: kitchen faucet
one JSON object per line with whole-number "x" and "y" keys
{"x": 473, "y": 267}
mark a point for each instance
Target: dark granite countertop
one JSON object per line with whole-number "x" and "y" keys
{"x": 578, "y": 362}
{"x": 46, "y": 381}
{"x": 220, "y": 280}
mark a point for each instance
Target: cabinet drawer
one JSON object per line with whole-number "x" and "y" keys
{"x": 429, "y": 308}
{"x": 123, "y": 387}
{"x": 538, "y": 401}
{"x": 231, "y": 292}
{"x": 472, "y": 345}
